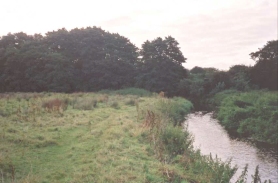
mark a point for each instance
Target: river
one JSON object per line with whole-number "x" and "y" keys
{"x": 211, "y": 137}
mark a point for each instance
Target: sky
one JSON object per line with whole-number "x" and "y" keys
{"x": 211, "y": 33}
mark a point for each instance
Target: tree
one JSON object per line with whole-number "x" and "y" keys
{"x": 220, "y": 81}
{"x": 197, "y": 70}
{"x": 87, "y": 59}
{"x": 264, "y": 73}
{"x": 102, "y": 60}
{"x": 240, "y": 77}
{"x": 9, "y": 47}
{"x": 161, "y": 65}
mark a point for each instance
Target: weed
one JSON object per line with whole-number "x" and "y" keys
{"x": 101, "y": 145}
{"x": 131, "y": 102}
{"x": 115, "y": 105}
{"x": 53, "y": 105}
{"x": 129, "y": 91}
{"x": 103, "y": 98}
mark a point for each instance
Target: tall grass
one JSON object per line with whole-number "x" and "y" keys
{"x": 129, "y": 91}
{"x": 100, "y": 137}
{"x": 173, "y": 145}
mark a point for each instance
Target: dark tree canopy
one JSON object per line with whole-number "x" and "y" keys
{"x": 87, "y": 59}
{"x": 264, "y": 73}
{"x": 197, "y": 70}
{"x": 161, "y": 65}
{"x": 92, "y": 59}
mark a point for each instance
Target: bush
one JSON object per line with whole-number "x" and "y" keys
{"x": 54, "y": 104}
{"x": 129, "y": 91}
{"x": 131, "y": 102}
{"x": 251, "y": 114}
{"x": 84, "y": 103}
{"x": 175, "y": 109}
{"x": 115, "y": 105}
{"x": 175, "y": 140}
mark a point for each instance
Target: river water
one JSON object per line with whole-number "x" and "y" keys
{"x": 211, "y": 137}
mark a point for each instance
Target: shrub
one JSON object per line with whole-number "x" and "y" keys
{"x": 175, "y": 109}
{"x": 175, "y": 140}
{"x": 129, "y": 91}
{"x": 251, "y": 114}
{"x": 115, "y": 105}
{"x": 84, "y": 103}
{"x": 54, "y": 105}
{"x": 131, "y": 102}
{"x": 103, "y": 99}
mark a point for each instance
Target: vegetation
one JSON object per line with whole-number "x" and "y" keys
{"x": 93, "y": 60}
{"x": 45, "y": 137}
{"x": 88, "y": 59}
{"x": 240, "y": 106}
{"x": 251, "y": 114}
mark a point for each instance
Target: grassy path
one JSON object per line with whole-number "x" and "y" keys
{"x": 99, "y": 138}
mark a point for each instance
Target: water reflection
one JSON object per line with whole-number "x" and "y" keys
{"x": 210, "y": 137}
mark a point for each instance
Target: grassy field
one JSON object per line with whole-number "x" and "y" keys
{"x": 100, "y": 137}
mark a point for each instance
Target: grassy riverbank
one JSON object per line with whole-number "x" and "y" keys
{"x": 100, "y": 137}
{"x": 251, "y": 114}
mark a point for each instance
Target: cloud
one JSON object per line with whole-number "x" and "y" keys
{"x": 227, "y": 36}
{"x": 211, "y": 33}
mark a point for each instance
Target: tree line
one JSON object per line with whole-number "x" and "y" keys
{"x": 92, "y": 59}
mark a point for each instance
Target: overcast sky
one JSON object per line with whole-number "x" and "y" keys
{"x": 211, "y": 33}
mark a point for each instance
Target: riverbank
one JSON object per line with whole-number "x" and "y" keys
{"x": 252, "y": 115}
{"x": 100, "y": 137}
{"x": 207, "y": 131}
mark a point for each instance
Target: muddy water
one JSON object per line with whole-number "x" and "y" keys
{"x": 211, "y": 137}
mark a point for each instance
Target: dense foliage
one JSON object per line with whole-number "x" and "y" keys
{"x": 161, "y": 65}
{"x": 264, "y": 73}
{"x": 65, "y": 61}
{"x": 250, "y": 114}
{"x": 89, "y": 59}
{"x": 203, "y": 83}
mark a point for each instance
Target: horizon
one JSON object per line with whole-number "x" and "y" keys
{"x": 219, "y": 34}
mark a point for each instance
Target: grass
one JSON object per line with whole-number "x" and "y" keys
{"x": 100, "y": 137}
{"x": 129, "y": 91}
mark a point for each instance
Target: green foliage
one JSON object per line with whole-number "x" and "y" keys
{"x": 243, "y": 177}
{"x": 172, "y": 145}
{"x": 131, "y": 102}
{"x": 84, "y": 103}
{"x": 175, "y": 109}
{"x": 251, "y": 114}
{"x": 64, "y": 61}
{"x": 218, "y": 88}
{"x": 255, "y": 178}
{"x": 161, "y": 67}
{"x": 77, "y": 145}
{"x": 240, "y": 77}
{"x": 197, "y": 70}
{"x": 128, "y": 91}
{"x": 115, "y": 105}
{"x": 264, "y": 73}
{"x": 175, "y": 141}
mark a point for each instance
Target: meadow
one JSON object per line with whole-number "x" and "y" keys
{"x": 121, "y": 136}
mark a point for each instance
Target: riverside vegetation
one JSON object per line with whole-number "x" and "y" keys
{"x": 38, "y": 129}
{"x": 252, "y": 114}
{"x": 112, "y": 136}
